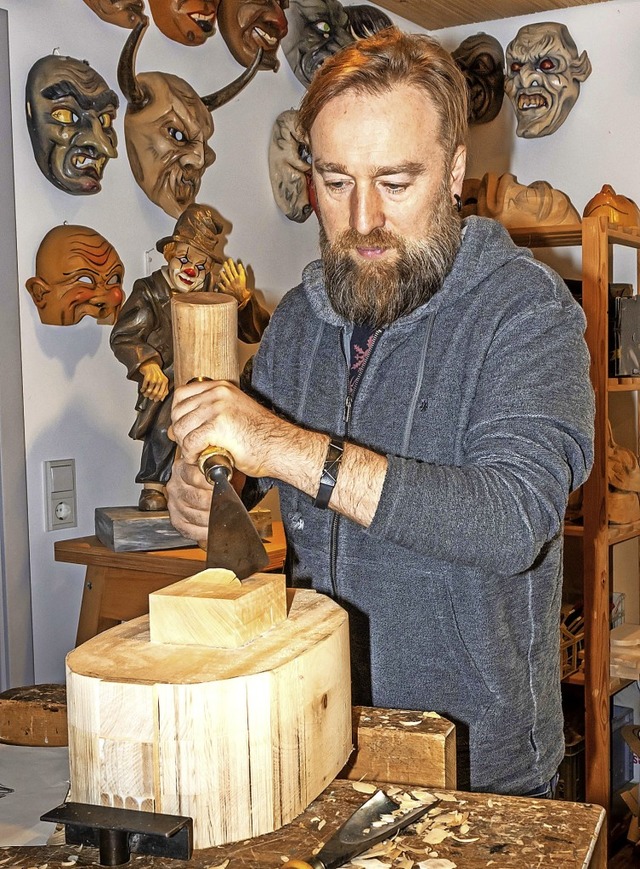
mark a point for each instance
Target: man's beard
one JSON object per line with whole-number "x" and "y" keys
{"x": 378, "y": 293}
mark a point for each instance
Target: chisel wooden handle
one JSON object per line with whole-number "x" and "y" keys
{"x": 215, "y": 457}
{"x": 301, "y": 864}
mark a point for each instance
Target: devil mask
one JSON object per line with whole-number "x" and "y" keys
{"x": 543, "y": 77}
{"x": 481, "y": 60}
{"x": 251, "y": 25}
{"x": 167, "y": 127}
{"x": 70, "y": 114}
{"x": 190, "y": 22}
{"x": 124, "y": 13}
{"x": 78, "y": 273}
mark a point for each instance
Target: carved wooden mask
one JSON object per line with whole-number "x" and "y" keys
{"x": 78, "y": 274}
{"x": 70, "y": 114}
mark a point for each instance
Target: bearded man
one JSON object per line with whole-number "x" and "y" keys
{"x": 424, "y": 407}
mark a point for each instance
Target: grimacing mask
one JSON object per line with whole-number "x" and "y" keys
{"x": 167, "y": 127}
{"x": 123, "y": 13}
{"x": 190, "y": 22}
{"x": 317, "y": 30}
{"x": 78, "y": 273}
{"x": 70, "y": 114}
{"x": 543, "y": 77}
{"x": 481, "y": 60}
{"x": 247, "y": 26}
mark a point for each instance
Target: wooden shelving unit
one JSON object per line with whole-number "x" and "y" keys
{"x": 436, "y": 14}
{"x": 598, "y": 240}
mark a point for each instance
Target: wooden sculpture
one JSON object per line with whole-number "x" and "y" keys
{"x": 618, "y": 209}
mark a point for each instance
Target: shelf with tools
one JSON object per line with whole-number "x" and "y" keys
{"x": 597, "y": 239}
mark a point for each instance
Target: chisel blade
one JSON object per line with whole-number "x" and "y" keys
{"x": 233, "y": 541}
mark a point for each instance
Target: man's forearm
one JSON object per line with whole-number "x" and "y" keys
{"x": 300, "y": 461}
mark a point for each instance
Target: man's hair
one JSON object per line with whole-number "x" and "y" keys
{"x": 389, "y": 58}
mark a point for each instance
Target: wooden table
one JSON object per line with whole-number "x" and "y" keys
{"x": 504, "y": 832}
{"x": 117, "y": 584}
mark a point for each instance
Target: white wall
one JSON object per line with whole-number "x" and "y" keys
{"x": 78, "y": 402}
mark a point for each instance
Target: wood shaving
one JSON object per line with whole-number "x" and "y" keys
{"x": 435, "y": 836}
{"x": 364, "y": 787}
{"x": 226, "y": 863}
{"x": 446, "y": 798}
{"x": 410, "y": 723}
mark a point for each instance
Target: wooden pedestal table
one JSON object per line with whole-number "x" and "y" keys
{"x": 117, "y": 584}
{"x": 239, "y": 739}
{"x": 504, "y": 833}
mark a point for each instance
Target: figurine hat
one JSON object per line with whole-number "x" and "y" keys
{"x": 198, "y": 227}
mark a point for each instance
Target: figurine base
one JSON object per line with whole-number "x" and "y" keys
{"x": 127, "y": 529}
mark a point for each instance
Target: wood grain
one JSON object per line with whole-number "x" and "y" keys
{"x": 241, "y": 740}
{"x": 213, "y": 608}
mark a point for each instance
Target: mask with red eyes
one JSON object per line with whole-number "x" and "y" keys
{"x": 78, "y": 274}
{"x": 543, "y": 77}
{"x": 167, "y": 128}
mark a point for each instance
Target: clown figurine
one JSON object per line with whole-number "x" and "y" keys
{"x": 142, "y": 337}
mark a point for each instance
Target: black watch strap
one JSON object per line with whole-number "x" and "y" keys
{"x": 329, "y": 474}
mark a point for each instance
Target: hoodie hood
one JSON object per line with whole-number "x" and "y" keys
{"x": 485, "y": 248}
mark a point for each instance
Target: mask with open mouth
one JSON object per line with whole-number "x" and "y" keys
{"x": 249, "y": 26}
{"x": 543, "y": 77}
{"x": 70, "y": 115}
{"x": 190, "y": 22}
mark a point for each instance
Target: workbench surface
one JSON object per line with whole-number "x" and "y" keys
{"x": 503, "y": 832}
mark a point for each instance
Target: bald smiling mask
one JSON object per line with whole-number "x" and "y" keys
{"x": 167, "y": 128}
{"x": 78, "y": 274}
{"x": 70, "y": 114}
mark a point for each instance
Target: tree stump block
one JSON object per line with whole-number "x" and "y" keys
{"x": 34, "y": 715}
{"x": 239, "y": 739}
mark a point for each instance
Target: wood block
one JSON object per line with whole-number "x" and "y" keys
{"x": 213, "y": 608}
{"x": 402, "y": 747}
{"x": 127, "y": 529}
{"x": 34, "y": 715}
{"x": 240, "y": 740}
{"x": 625, "y": 635}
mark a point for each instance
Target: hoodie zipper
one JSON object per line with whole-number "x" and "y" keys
{"x": 346, "y": 417}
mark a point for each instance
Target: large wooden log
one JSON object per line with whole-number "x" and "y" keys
{"x": 241, "y": 740}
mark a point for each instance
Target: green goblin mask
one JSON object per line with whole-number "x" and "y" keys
{"x": 70, "y": 115}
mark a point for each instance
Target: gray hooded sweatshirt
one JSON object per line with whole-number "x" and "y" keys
{"x": 481, "y": 401}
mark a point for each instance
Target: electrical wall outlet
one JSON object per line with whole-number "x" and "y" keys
{"x": 60, "y": 494}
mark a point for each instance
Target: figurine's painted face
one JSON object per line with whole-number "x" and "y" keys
{"x": 317, "y": 29}
{"x": 167, "y": 142}
{"x": 124, "y": 13}
{"x": 190, "y": 22}
{"x": 78, "y": 273}
{"x": 187, "y": 267}
{"x": 70, "y": 115}
{"x": 543, "y": 77}
{"x": 247, "y": 25}
{"x": 481, "y": 59}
